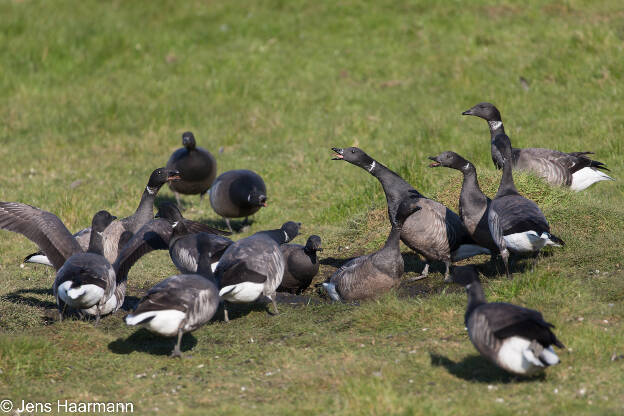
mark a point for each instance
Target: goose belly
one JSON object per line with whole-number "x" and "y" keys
{"x": 81, "y": 297}
{"x": 244, "y": 292}
{"x": 164, "y": 322}
{"x": 524, "y": 242}
{"x": 109, "y": 307}
{"x": 584, "y": 178}
{"x": 39, "y": 259}
{"x": 516, "y": 357}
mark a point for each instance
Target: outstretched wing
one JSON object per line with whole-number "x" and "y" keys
{"x": 195, "y": 227}
{"x": 152, "y": 236}
{"x": 41, "y": 227}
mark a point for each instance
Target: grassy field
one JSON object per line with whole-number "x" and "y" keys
{"x": 94, "y": 95}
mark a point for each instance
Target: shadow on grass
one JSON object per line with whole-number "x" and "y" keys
{"x": 238, "y": 226}
{"x": 479, "y": 369}
{"x": 144, "y": 341}
{"x": 19, "y": 297}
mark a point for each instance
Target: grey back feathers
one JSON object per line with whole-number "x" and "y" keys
{"x": 373, "y": 274}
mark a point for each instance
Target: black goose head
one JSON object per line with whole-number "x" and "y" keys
{"x": 465, "y": 276}
{"x": 291, "y": 229}
{"x": 162, "y": 175}
{"x": 449, "y": 160}
{"x": 408, "y": 206}
{"x": 486, "y": 111}
{"x": 355, "y": 156}
{"x": 257, "y": 198}
{"x": 169, "y": 211}
{"x": 188, "y": 140}
{"x": 313, "y": 244}
{"x": 101, "y": 220}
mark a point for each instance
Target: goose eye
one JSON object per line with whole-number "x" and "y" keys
{"x": 352, "y": 150}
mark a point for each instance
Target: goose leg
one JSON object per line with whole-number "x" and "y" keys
{"x": 423, "y": 275}
{"x": 226, "y": 318}
{"x": 177, "y": 195}
{"x": 535, "y": 259}
{"x": 447, "y": 273}
{"x": 227, "y": 221}
{"x": 272, "y": 298}
{"x": 176, "y": 353}
{"x": 97, "y": 315}
{"x": 505, "y": 256}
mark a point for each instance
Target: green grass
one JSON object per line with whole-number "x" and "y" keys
{"x": 100, "y": 92}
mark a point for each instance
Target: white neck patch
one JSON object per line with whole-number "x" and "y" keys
{"x": 467, "y": 166}
{"x": 495, "y": 125}
{"x": 175, "y": 224}
{"x": 151, "y": 191}
{"x": 285, "y": 235}
{"x": 372, "y": 166}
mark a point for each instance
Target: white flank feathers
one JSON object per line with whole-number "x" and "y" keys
{"x": 214, "y": 265}
{"x": 81, "y": 297}
{"x": 525, "y": 242}
{"x": 39, "y": 259}
{"x": 330, "y": 288}
{"x": 550, "y": 356}
{"x": 165, "y": 322}
{"x": 109, "y": 307}
{"x": 244, "y": 292}
{"x": 584, "y": 178}
{"x": 516, "y": 356}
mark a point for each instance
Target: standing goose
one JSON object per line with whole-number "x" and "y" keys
{"x": 435, "y": 232}
{"x": 302, "y": 265}
{"x": 197, "y": 167}
{"x": 170, "y": 231}
{"x": 371, "y": 275}
{"x": 515, "y": 222}
{"x": 83, "y": 279}
{"x": 238, "y": 193}
{"x": 473, "y": 203}
{"x": 112, "y": 235}
{"x": 514, "y": 338}
{"x": 180, "y": 303}
{"x": 252, "y": 268}
{"x": 573, "y": 170}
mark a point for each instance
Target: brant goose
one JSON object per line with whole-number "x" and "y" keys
{"x": 574, "y": 170}
{"x": 83, "y": 279}
{"x": 514, "y": 338}
{"x": 516, "y": 223}
{"x": 112, "y": 235}
{"x": 371, "y": 275}
{"x": 435, "y": 232}
{"x": 302, "y": 265}
{"x": 179, "y": 304}
{"x": 237, "y": 193}
{"x": 252, "y": 268}
{"x": 197, "y": 167}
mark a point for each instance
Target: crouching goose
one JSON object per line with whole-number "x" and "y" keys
{"x": 83, "y": 279}
{"x": 514, "y": 338}
{"x": 253, "y": 267}
{"x": 112, "y": 235}
{"x": 573, "y": 170}
{"x": 238, "y": 193}
{"x": 302, "y": 265}
{"x": 435, "y": 232}
{"x": 179, "y": 304}
{"x": 197, "y": 167}
{"x": 515, "y": 222}
{"x": 371, "y": 275}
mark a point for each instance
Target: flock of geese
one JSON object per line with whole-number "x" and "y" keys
{"x": 92, "y": 265}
